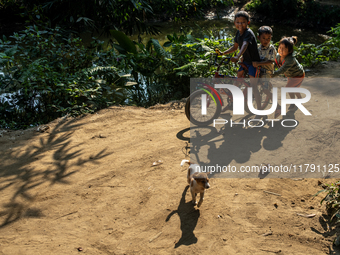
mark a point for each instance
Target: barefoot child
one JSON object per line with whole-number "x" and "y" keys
{"x": 266, "y": 50}
{"x": 267, "y": 53}
{"x": 246, "y": 41}
{"x": 289, "y": 66}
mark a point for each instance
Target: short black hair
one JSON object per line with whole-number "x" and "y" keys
{"x": 265, "y": 30}
{"x": 242, "y": 14}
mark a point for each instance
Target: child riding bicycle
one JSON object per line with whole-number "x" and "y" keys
{"x": 245, "y": 40}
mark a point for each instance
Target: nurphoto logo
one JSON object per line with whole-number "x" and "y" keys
{"x": 238, "y": 105}
{"x": 238, "y": 102}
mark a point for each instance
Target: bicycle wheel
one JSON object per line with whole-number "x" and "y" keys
{"x": 263, "y": 97}
{"x": 193, "y": 108}
{"x": 227, "y": 99}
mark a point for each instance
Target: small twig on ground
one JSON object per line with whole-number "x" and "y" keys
{"x": 271, "y": 251}
{"x": 113, "y": 186}
{"x": 156, "y": 236}
{"x": 67, "y": 214}
{"x": 307, "y": 215}
{"x": 276, "y": 194}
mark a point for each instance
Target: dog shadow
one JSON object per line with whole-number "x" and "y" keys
{"x": 188, "y": 216}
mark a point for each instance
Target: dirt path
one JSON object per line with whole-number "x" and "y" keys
{"x": 90, "y": 183}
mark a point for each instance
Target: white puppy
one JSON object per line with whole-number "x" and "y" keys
{"x": 197, "y": 180}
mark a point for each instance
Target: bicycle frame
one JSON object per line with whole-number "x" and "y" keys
{"x": 240, "y": 81}
{"x": 214, "y": 95}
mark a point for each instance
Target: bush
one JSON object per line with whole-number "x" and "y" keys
{"x": 48, "y": 75}
{"x": 310, "y": 55}
{"x": 163, "y": 75}
{"x": 332, "y": 201}
{"x": 132, "y": 17}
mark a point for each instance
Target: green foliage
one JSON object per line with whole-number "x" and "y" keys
{"x": 151, "y": 66}
{"x": 195, "y": 58}
{"x": 310, "y": 55}
{"x": 130, "y": 16}
{"x": 125, "y": 44}
{"x": 174, "y": 39}
{"x": 83, "y": 15}
{"x": 163, "y": 75}
{"x": 47, "y": 76}
{"x": 332, "y": 199}
{"x": 336, "y": 33}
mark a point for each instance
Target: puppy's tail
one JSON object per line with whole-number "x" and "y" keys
{"x": 185, "y": 161}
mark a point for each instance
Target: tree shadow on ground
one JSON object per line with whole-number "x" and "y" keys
{"x": 188, "y": 216}
{"x": 19, "y": 175}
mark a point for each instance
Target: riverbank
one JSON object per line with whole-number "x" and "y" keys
{"x": 110, "y": 183}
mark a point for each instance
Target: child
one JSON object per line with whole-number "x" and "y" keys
{"x": 246, "y": 41}
{"x": 267, "y": 53}
{"x": 288, "y": 65}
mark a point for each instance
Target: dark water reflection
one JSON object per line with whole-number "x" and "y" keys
{"x": 221, "y": 28}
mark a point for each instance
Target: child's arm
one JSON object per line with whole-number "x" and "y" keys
{"x": 242, "y": 50}
{"x": 231, "y": 49}
{"x": 288, "y": 64}
{"x": 263, "y": 63}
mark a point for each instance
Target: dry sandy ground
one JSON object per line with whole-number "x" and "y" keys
{"x": 88, "y": 186}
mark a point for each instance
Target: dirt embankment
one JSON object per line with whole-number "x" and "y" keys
{"x": 89, "y": 186}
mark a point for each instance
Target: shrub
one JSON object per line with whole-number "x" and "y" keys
{"x": 48, "y": 75}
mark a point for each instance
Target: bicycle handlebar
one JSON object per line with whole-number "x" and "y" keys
{"x": 223, "y": 59}
{"x": 218, "y": 52}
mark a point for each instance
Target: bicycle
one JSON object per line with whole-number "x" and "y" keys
{"x": 214, "y": 100}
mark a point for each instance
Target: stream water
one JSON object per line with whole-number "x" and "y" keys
{"x": 223, "y": 27}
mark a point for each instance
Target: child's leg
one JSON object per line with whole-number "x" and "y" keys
{"x": 240, "y": 73}
{"x": 253, "y": 83}
{"x": 295, "y": 82}
{"x": 239, "y": 80}
{"x": 292, "y": 95}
